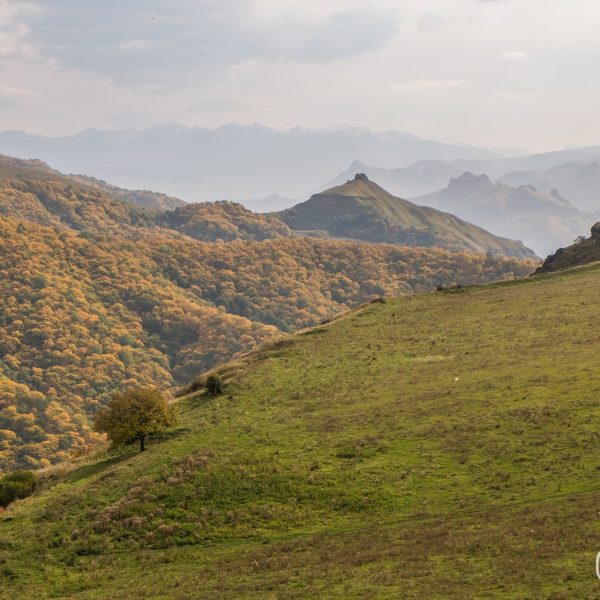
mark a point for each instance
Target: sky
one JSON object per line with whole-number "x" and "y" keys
{"x": 489, "y": 72}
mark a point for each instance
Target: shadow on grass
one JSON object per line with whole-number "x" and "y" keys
{"x": 169, "y": 435}
{"x": 95, "y": 468}
{"x": 89, "y": 470}
{"x": 192, "y": 404}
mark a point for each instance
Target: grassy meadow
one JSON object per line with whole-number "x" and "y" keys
{"x": 442, "y": 445}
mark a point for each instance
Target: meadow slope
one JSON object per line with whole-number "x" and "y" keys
{"x": 441, "y": 445}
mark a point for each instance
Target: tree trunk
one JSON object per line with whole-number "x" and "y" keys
{"x": 142, "y": 443}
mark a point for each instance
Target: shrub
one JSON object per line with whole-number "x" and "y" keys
{"x": 214, "y": 385}
{"x": 13, "y": 486}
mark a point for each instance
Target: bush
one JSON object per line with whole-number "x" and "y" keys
{"x": 13, "y": 486}
{"x": 214, "y": 385}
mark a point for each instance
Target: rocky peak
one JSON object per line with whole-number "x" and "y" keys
{"x": 469, "y": 180}
{"x": 528, "y": 188}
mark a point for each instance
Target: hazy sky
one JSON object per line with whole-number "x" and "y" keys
{"x": 502, "y": 72}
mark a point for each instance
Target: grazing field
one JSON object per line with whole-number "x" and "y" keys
{"x": 443, "y": 445}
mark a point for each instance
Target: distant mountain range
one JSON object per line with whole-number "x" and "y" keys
{"x": 579, "y": 181}
{"x": 361, "y": 209}
{"x": 543, "y": 207}
{"x": 542, "y": 221}
{"x": 574, "y": 173}
{"x": 422, "y": 177}
{"x": 234, "y": 162}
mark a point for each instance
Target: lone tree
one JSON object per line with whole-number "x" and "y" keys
{"x": 134, "y": 414}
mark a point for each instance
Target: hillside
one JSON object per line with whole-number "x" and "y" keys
{"x": 442, "y": 445}
{"x": 96, "y": 294}
{"x": 222, "y": 220}
{"x": 12, "y": 168}
{"x": 543, "y": 221}
{"x": 145, "y": 199}
{"x": 54, "y": 201}
{"x": 32, "y": 191}
{"x": 360, "y": 209}
{"x": 582, "y": 252}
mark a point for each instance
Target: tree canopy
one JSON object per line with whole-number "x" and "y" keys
{"x": 134, "y": 414}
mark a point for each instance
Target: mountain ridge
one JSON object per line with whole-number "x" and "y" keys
{"x": 361, "y": 209}
{"x": 574, "y": 173}
{"x": 578, "y": 180}
{"x": 196, "y": 164}
{"x": 542, "y": 220}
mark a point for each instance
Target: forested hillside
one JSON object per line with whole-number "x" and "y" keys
{"x": 95, "y": 294}
{"x": 140, "y": 198}
{"x": 222, "y": 220}
{"x": 59, "y": 201}
{"x": 83, "y": 314}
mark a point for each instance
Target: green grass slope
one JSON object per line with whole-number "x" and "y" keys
{"x": 362, "y": 210}
{"x": 442, "y": 445}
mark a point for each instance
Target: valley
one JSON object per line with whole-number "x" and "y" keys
{"x": 97, "y": 293}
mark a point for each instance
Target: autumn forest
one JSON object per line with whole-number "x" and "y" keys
{"x": 97, "y": 294}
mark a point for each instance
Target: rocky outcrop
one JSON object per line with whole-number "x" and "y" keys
{"x": 582, "y": 252}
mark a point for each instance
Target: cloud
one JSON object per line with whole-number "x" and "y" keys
{"x": 184, "y": 42}
{"x": 13, "y": 32}
{"x": 10, "y": 91}
{"x": 135, "y": 45}
{"x": 430, "y": 23}
{"x": 513, "y": 55}
{"x": 518, "y": 96}
{"x": 138, "y": 63}
{"x": 342, "y": 35}
{"x": 425, "y": 85}
{"x": 11, "y": 96}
